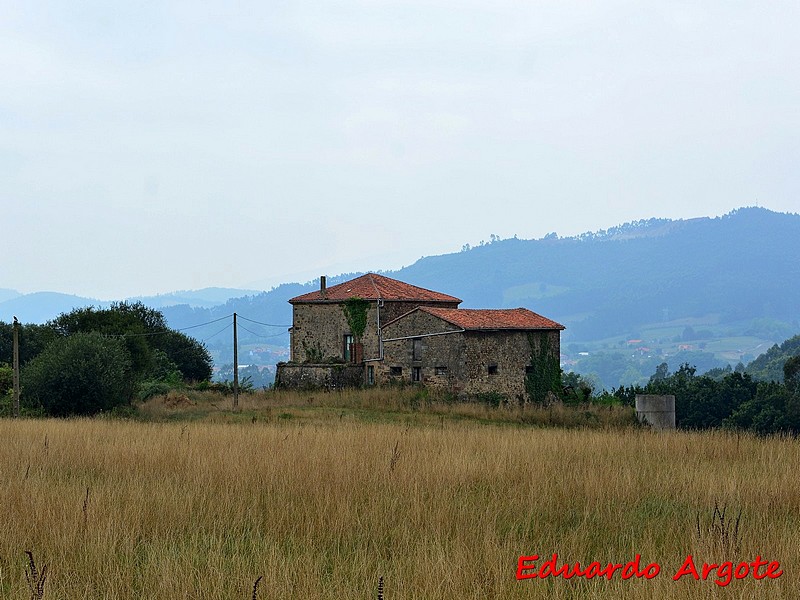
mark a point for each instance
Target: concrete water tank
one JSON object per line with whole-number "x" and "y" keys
{"x": 658, "y": 411}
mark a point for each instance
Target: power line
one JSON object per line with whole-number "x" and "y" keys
{"x": 260, "y": 323}
{"x": 220, "y": 331}
{"x": 172, "y": 330}
{"x": 258, "y": 334}
{"x": 209, "y": 323}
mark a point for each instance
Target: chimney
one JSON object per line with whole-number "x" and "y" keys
{"x": 323, "y": 284}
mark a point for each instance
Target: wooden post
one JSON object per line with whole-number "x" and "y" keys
{"x": 15, "y": 360}
{"x": 235, "y": 366}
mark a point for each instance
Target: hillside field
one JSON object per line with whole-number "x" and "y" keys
{"x": 321, "y": 501}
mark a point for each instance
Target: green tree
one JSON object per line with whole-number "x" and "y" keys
{"x": 81, "y": 374}
{"x": 32, "y": 340}
{"x": 765, "y": 412}
{"x": 134, "y": 321}
{"x": 791, "y": 373}
{"x": 144, "y": 331}
{"x": 6, "y": 389}
{"x": 191, "y": 358}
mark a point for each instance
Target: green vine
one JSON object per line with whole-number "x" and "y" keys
{"x": 543, "y": 381}
{"x": 355, "y": 311}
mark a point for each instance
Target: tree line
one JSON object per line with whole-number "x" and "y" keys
{"x": 92, "y": 360}
{"x": 729, "y": 399}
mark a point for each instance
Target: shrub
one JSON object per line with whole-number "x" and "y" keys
{"x": 81, "y": 374}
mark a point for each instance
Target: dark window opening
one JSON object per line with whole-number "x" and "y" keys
{"x": 348, "y": 345}
{"x": 416, "y": 374}
{"x": 370, "y": 375}
{"x": 441, "y": 371}
{"x": 492, "y": 369}
{"x": 396, "y": 371}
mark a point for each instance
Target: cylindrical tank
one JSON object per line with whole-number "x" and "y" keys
{"x": 657, "y": 411}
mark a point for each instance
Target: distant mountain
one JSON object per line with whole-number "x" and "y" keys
{"x": 737, "y": 268}
{"x": 742, "y": 266}
{"x": 39, "y": 307}
{"x": 207, "y": 297}
{"x": 6, "y": 294}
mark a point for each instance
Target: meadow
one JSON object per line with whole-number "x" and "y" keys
{"x": 321, "y": 496}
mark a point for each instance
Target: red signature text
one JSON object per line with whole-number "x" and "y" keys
{"x": 528, "y": 569}
{"x": 727, "y": 571}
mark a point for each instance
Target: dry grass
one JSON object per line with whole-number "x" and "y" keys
{"x": 325, "y": 508}
{"x": 409, "y": 405}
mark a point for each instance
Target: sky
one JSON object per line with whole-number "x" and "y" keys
{"x": 153, "y": 146}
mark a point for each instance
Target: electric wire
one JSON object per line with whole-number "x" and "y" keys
{"x": 229, "y": 325}
{"x": 166, "y": 331}
{"x": 259, "y": 335}
{"x": 259, "y": 322}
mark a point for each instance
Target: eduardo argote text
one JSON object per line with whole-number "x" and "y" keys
{"x": 531, "y": 567}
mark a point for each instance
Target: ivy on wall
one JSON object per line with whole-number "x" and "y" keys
{"x": 543, "y": 382}
{"x": 355, "y": 311}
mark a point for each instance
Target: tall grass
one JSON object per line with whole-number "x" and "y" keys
{"x": 324, "y": 508}
{"x": 406, "y": 404}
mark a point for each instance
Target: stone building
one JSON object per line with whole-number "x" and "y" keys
{"x": 321, "y": 341}
{"x": 466, "y": 351}
{"x": 414, "y": 335}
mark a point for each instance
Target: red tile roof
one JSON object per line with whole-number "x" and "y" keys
{"x": 374, "y": 287}
{"x": 507, "y": 318}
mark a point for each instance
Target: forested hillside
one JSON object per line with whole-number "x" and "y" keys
{"x": 707, "y": 291}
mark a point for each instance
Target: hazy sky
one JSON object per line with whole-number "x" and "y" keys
{"x": 153, "y": 146}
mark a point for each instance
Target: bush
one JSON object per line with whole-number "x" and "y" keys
{"x": 148, "y": 389}
{"x": 81, "y": 374}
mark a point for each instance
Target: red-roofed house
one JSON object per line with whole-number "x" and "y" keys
{"x": 320, "y": 331}
{"x": 413, "y": 334}
{"x": 466, "y": 351}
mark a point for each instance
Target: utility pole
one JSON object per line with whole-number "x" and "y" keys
{"x": 235, "y": 366}
{"x": 15, "y": 360}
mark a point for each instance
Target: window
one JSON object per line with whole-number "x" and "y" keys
{"x": 348, "y": 344}
{"x": 416, "y": 349}
{"x": 396, "y": 371}
{"x": 492, "y": 369}
{"x": 441, "y": 371}
{"x": 370, "y": 375}
{"x": 416, "y": 373}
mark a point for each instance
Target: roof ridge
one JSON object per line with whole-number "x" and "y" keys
{"x": 374, "y": 285}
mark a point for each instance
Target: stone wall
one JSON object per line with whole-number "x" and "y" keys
{"x": 321, "y": 327}
{"x": 318, "y": 332}
{"x": 316, "y": 376}
{"x": 440, "y": 358}
{"x": 465, "y": 363}
{"x": 496, "y": 361}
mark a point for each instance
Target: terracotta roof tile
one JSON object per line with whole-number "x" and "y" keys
{"x": 373, "y": 287}
{"x": 508, "y": 318}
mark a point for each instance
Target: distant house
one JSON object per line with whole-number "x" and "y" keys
{"x": 414, "y": 335}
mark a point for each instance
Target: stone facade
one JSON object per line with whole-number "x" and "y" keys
{"x": 319, "y": 330}
{"x": 425, "y": 349}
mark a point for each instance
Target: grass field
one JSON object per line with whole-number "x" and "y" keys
{"x": 324, "y": 502}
